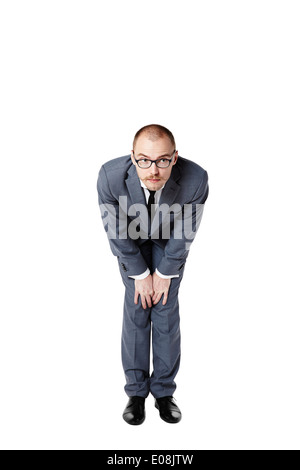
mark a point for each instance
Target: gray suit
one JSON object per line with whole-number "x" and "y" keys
{"x": 187, "y": 186}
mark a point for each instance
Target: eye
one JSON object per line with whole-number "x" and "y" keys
{"x": 163, "y": 160}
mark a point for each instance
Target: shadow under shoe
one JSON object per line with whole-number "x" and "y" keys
{"x": 134, "y": 412}
{"x": 168, "y": 410}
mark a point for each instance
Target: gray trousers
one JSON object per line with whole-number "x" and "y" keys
{"x": 138, "y": 322}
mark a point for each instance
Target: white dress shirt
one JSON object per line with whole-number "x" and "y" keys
{"x": 156, "y": 201}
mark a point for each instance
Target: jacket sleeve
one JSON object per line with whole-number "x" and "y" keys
{"x": 177, "y": 248}
{"x": 127, "y": 251}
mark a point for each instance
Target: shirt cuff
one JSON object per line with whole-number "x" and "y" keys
{"x": 139, "y": 277}
{"x": 163, "y": 276}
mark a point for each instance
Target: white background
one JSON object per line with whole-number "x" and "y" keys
{"x": 78, "y": 79}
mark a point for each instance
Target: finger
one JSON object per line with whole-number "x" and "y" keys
{"x": 143, "y": 299}
{"x": 158, "y": 297}
{"x": 136, "y": 297}
{"x": 165, "y": 298}
{"x": 149, "y": 301}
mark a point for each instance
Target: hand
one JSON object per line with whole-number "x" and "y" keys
{"x": 143, "y": 288}
{"x": 160, "y": 287}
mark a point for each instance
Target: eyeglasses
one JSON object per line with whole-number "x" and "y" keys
{"x": 160, "y": 163}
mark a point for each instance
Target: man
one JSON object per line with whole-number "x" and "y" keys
{"x": 151, "y": 202}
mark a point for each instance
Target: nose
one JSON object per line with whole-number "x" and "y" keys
{"x": 154, "y": 169}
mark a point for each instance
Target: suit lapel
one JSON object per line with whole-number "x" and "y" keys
{"x": 171, "y": 188}
{"x": 168, "y": 196}
{"x": 134, "y": 187}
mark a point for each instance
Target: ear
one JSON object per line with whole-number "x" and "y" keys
{"x": 132, "y": 158}
{"x": 175, "y": 158}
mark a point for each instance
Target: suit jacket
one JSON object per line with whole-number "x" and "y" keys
{"x": 187, "y": 186}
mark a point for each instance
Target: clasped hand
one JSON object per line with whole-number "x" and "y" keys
{"x": 151, "y": 290}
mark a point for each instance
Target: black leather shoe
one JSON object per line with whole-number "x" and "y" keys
{"x": 168, "y": 410}
{"x": 134, "y": 412}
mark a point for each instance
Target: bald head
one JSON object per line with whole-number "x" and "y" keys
{"x": 154, "y": 132}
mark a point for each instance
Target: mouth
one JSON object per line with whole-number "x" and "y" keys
{"x": 153, "y": 180}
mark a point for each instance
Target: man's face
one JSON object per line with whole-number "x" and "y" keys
{"x": 154, "y": 178}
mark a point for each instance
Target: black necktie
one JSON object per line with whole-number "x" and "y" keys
{"x": 150, "y": 201}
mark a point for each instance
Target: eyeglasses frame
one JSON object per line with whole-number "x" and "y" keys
{"x": 154, "y": 161}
